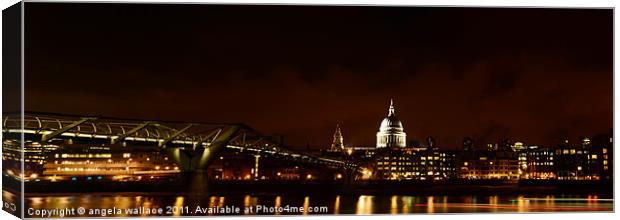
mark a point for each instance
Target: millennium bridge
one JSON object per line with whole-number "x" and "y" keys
{"x": 193, "y": 146}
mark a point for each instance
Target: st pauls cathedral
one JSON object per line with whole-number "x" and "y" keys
{"x": 391, "y": 133}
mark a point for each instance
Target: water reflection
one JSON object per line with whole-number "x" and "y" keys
{"x": 306, "y": 204}
{"x": 407, "y": 202}
{"x": 430, "y": 205}
{"x": 394, "y": 205}
{"x": 493, "y": 203}
{"x": 278, "y": 203}
{"x": 364, "y": 205}
{"x": 178, "y": 203}
{"x": 337, "y": 204}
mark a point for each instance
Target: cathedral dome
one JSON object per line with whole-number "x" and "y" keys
{"x": 391, "y": 132}
{"x": 391, "y": 123}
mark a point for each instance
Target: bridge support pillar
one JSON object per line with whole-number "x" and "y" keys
{"x": 194, "y": 163}
{"x": 348, "y": 181}
{"x": 197, "y": 183}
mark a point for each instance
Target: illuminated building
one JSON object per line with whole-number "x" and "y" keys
{"x": 415, "y": 164}
{"x": 602, "y": 146}
{"x": 103, "y": 163}
{"x": 234, "y": 166}
{"x": 591, "y": 161}
{"x": 361, "y": 152}
{"x": 489, "y": 164}
{"x": 539, "y": 163}
{"x": 522, "y": 157}
{"x": 518, "y": 146}
{"x": 575, "y": 163}
{"x": 337, "y": 149}
{"x": 290, "y": 174}
{"x": 391, "y": 132}
{"x": 572, "y": 162}
{"x": 35, "y": 155}
{"x": 299, "y": 173}
{"x": 492, "y": 146}
{"x": 337, "y": 143}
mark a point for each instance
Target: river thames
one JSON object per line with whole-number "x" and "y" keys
{"x": 139, "y": 204}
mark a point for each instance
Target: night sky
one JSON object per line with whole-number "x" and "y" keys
{"x": 532, "y": 75}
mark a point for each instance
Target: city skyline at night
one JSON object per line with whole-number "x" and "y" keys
{"x": 143, "y": 110}
{"x": 534, "y": 75}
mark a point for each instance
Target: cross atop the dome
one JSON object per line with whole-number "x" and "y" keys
{"x": 391, "y": 112}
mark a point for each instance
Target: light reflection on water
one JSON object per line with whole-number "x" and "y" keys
{"x": 336, "y": 204}
{"x": 364, "y": 205}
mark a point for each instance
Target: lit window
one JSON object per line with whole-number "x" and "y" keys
{"x": 593, "y": 156}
